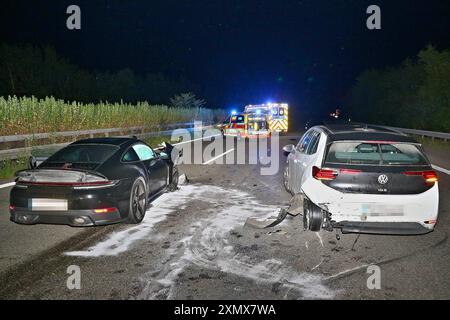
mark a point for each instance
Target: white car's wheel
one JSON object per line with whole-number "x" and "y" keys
{"x": 312, "y": 216}
{"x": 286, "y": 178}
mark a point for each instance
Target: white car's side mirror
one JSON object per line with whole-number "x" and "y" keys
{"x": 289, "y": 148}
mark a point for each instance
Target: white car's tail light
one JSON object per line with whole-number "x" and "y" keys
{"x": 324, "y": 174}
{"x": 429, "y": 176}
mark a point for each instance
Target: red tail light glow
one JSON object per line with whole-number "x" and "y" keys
{"x": 430, "y": 177}
{"x": 105, "y": 210}
{"x": 11, "y": 207}
{"x": 349, "y": 171}
{"x": 324, "y": 174}
{"x": 69, "y": 184}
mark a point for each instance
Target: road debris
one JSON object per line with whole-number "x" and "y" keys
{"x": 295, "y": 208}
{"x": 267, "y": 221}
{"x": 183, "y": 179}
{"x": 279, "y": 231}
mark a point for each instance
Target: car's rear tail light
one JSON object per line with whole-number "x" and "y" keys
{"x": 105, "y": 210}
{"x": 11, "y": 207}
{"x": 95, "y": 185}
{"x": 70, "y": 184}
{"x": 430, "y": 176}
{"x": 75, "y": 185}
{"x": 349, "y": 171}
{"x": 324, "y": 174}
{"x": 431, "y": 222}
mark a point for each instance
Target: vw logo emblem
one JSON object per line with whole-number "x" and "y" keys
{"x": 383, "y": 179}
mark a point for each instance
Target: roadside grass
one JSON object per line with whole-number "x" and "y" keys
{"x": 438, "y": 143}
{"x": 156, "y": 140}
{"x": 9, "y": 167}
{"x": 29, "y": 115}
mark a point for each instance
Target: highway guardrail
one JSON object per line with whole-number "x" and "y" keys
{"x": 140, "y": 132}
{"x": 423, "y": 133}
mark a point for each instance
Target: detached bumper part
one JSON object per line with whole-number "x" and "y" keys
{"x": 387, "y": 228}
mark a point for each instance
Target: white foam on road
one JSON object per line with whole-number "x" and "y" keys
{"x": 320, "y": 238}
{"x": 121, "y": 241}
{"x": 208, "y": 246}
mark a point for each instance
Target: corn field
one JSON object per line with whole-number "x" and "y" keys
{"x": 27, "y": 115}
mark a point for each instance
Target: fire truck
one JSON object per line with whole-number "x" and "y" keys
{"x": 246, "y": 125}
{"x": 277, "y": 115}
{"x": 234, "y": 124}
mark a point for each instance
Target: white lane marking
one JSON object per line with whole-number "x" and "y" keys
{"x": 218, "y": 157}
{"x": 6, "y": 185}
{"x": 189, "y": 141}
{"x": 435, "y": 167}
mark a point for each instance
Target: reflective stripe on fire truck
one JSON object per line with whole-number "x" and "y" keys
{"x": 279, "y": 124}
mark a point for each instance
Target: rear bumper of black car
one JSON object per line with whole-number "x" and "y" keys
{"x": 74, "y": 218}
{"x": 386, "y": 228}
{"x": 84, "y": 208}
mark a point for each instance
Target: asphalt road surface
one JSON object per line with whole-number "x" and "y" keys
{"x": 193, "y": 245}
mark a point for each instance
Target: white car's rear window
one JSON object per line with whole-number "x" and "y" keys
{"x": 374, "y": 153}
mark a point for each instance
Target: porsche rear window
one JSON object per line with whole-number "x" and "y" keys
{"x": 372, "y": 153}
{"x": 82, "y": 153}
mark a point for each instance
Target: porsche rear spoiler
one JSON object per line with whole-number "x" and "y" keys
{"x": 62, "y": 177}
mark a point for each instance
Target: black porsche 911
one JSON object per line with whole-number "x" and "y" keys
{"x": 93, "y": 182}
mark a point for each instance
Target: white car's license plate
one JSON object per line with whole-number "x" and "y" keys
{"x": 376, "y": 210}
{"x": 49, "y": 205}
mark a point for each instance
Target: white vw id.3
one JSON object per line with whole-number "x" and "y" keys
{"x": 362, "y": 179}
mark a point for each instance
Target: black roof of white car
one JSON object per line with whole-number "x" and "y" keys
{"x": 363, "y": 132}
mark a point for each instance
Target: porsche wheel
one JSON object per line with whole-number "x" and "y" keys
{"x": 138, "y": 202}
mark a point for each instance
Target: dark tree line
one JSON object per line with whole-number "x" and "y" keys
{"x": 415, "y": 94}
{"x": 28, "y": 70}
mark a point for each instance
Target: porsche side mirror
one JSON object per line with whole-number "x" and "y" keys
{"x": 164, "y": 156}
{"x": 288, "y": 148}
{"x": 34, "y": 162}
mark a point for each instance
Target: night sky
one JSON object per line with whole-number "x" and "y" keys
{"x": 307, "y": 53}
